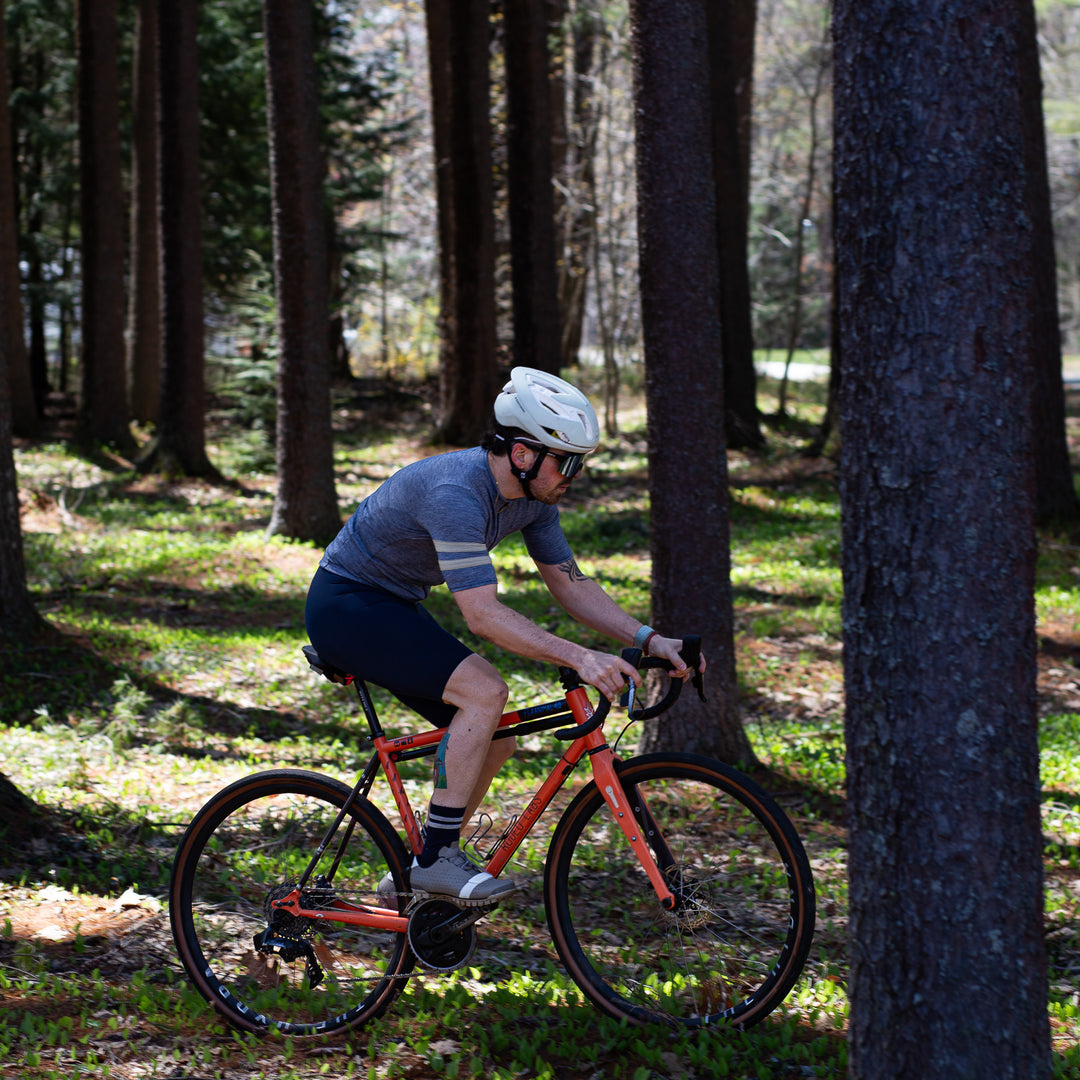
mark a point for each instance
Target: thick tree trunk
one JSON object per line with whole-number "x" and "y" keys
{"x": 144, "y": 303}
{"x": 180, "y": 445}
{"x": 579, "y": 228}
{"x": 691, "y": 558}
{"x": 558, "y": 31}
{"x": 305, "y": 502}
{"x": 937, "y": 252}
{"x": 20, "y": 817}
{"x": 23, "y": 406}
{"x": 459, "y": 36}
{"x": 103, "y": 414}
{"x": 18, "y": 616}
{"x": 437, "y": 14}
{"x": 537, "y": 336}
{"x": 1055, "y": 492}
{"x": 731, "y": 49}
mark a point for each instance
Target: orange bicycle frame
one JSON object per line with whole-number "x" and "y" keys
{"x": 602, "y": 760}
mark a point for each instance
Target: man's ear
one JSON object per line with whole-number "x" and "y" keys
{"x": 519, "y": 455}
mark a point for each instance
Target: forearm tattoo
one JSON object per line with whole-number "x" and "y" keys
{"x": 571, "y": 569}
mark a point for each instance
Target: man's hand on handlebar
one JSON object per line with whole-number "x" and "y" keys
{"x": 668, "y": 649}
{"x": 608, "y": 673}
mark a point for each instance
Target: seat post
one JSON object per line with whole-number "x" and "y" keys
{"x": 368, "y": 706}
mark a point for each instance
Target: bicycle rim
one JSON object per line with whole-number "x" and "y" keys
{"x": 738, "y": 937}
{"x": 257, "y": 837}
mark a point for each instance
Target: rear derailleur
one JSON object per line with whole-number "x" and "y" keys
{"x": 287, "y": 935}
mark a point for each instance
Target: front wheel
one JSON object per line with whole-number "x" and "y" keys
{"x": 738, "y": 936}
{"x": 261, "y": 967}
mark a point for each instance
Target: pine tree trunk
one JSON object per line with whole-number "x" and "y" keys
{"x": 305, "y": 502}
{"x": 103, "y": 414}
{"x": 537, "y": 336}
{"x": 23, "y": 406}
{"x": 731, "y": 48}
{"x": 691, "y": 559}
{"x": 579, "y": 243}
{"x": 1055, "y": 491}
{"x": 937, "y": 253}
{"x": 144, "y": 304}
{"x": 460, "y": 103}
{"x": 179, "y": 447}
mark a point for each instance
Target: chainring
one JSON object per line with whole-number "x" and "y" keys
{"x": 442, "y": 934}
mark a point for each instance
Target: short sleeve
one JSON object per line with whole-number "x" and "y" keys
{"x": 545, "y": 540}
{"x": 456, "y": 523}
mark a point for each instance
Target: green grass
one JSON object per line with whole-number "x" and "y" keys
{"x": 181, "y": 671}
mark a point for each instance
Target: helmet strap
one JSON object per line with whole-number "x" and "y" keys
{"x": 526, "y": 477}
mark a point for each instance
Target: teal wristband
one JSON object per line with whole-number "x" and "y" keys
{"x": 642, "y": 636}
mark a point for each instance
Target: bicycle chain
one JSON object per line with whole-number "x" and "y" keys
{"x": 294, "y": 927}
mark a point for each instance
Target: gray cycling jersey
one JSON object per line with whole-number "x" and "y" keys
{"x": 435, "y": 521}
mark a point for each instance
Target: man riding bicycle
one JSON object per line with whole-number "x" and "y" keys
{"x": 436, "y": 521}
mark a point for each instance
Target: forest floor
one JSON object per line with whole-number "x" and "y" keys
{"x": 87, "y": 964}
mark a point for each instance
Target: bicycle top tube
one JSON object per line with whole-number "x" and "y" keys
{"x": 536, "y": 717}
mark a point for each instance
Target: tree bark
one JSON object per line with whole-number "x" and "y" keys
{"x": 103, "y": 414}
{"x": 437, "y": 14}
{"x": 558, "y": 31}
{"x": 537, "y": 336}
{"x": 20, "y": 817}
{"x": 305, "y": 502}
{"x": 937, "y": 249}
{"x": 691, "y": 560}
{"x": 579, "y": 232}
{"x": 144, "y": 303}
{"x": 459, "y": 36}
{"x": 1057, "y": 503}
{"x": 23, "y": 409}
{"x": 731, "y": 52}
{"x": 18, "y": 616}
{"x": 179, "y": 448}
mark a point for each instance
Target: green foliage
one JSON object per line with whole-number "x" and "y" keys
{"x": 235, "y": 163}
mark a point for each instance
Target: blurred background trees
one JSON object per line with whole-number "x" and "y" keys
{"x": 381, "y": 191}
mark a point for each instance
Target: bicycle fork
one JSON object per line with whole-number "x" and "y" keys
{"x": 635, "y": 822}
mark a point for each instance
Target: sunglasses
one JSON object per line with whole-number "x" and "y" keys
{"x": 568, "y": 464}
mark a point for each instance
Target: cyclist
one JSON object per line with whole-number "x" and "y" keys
{"x": 434, "y": 521}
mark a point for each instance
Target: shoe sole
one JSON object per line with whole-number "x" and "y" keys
{"x": 459, "y": 901}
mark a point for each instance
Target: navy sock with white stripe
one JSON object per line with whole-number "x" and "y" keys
{"x": 442, "y": 829}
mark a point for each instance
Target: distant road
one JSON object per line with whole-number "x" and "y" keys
{"x": 796, "y": 373}
{"x": 811, "y": 372}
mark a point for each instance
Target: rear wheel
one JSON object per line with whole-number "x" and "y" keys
{"x": 743, "y": 921}
{"x": 263, "y": 968}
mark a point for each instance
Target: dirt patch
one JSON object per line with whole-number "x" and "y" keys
{"x": 74, "y": 932}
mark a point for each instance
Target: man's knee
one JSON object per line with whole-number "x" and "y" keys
{"x": 476, "y": 685}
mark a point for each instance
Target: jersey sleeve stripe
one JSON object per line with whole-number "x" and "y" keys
{"x": 462, "y": 564}
{"x": 450, "y": 546}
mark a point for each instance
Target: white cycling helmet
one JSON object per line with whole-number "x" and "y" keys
{"x": 549, "y": 409}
